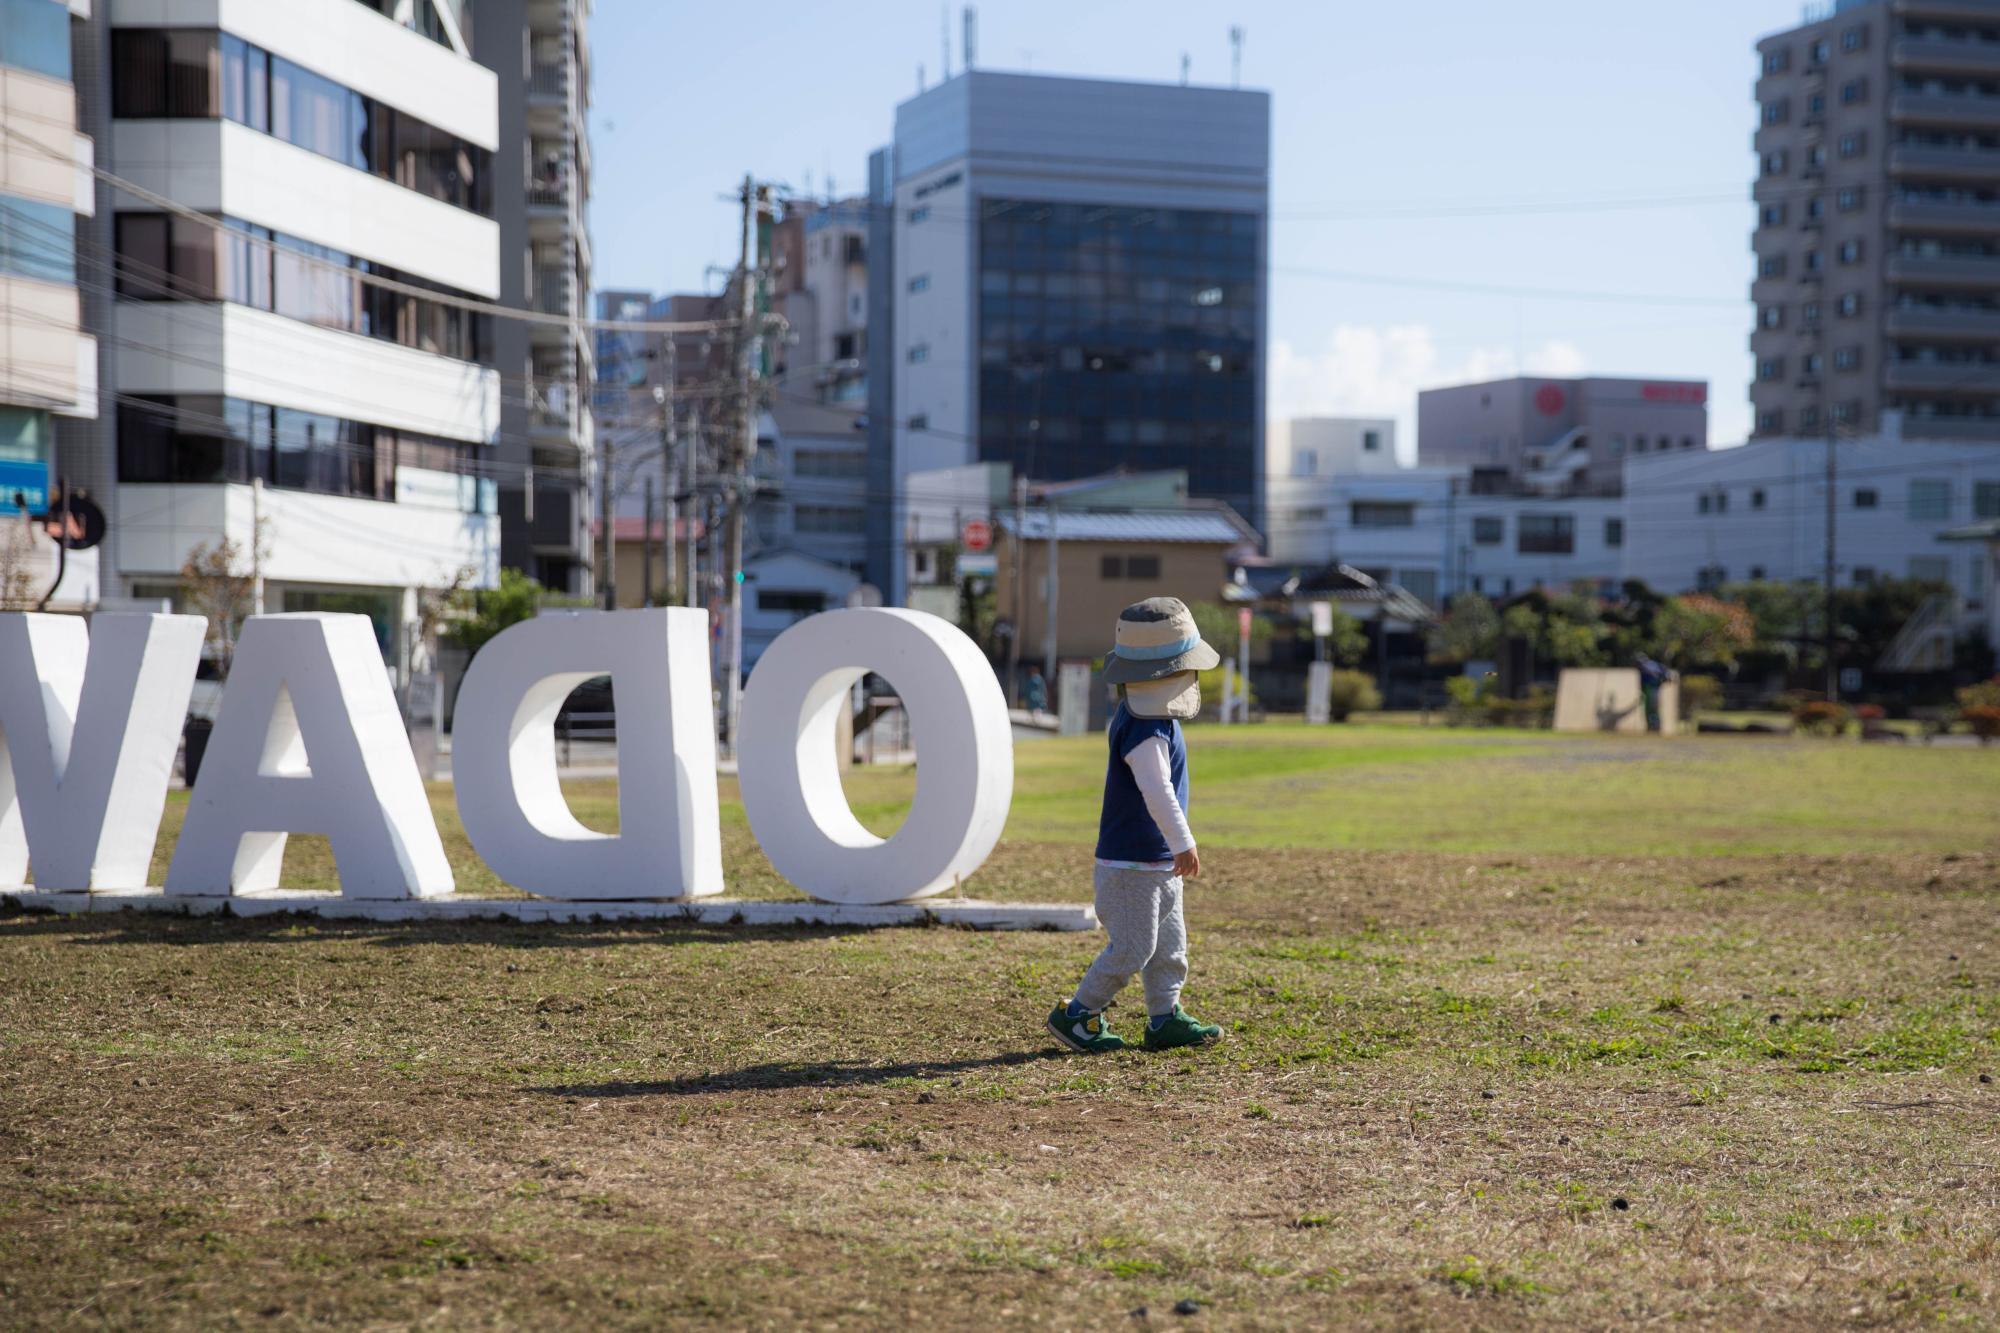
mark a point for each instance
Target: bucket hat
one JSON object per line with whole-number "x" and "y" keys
{"x": 1156, "y": 638}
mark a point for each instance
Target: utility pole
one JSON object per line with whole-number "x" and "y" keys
{"x": 1832, "y": 509}
{"x": 256, "y": 546}
{"x": 669, "y": 463}
{"x": 607, "y": 559}
{"x": 1020, "y": 594}
{"x": 1053, "y": 590}
{"x": 749, "y": 338}
{"x": 691, "y": 580}
{"x": 646, "y": 566}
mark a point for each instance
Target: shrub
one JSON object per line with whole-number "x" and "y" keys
{"x": 1986, "y": 694}
{"x": 1818, "y": 717}
{"x": 1352, "y": 692}
{"x": 1477, "y": 703}
{"x": 1983, "y": 720}
{"x": 1699, "y": 694}
{"x": 1871, "y": 712}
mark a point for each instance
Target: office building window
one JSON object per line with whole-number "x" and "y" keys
{"x": 1489, "y": 531}
{"x": 197, "y": 74}
{"x": 919, "y": 353}
{"x": 1986, "y": 499}
{"x": 835, "y": 519}
{"x": 1930, "y": 499}
{"x": 921, "y": 213}
{"x": 1545, "y": 534}
{"x": 1614, "y": 533}
{"x": 829, "y": 463}
{"x": 1382, "y": 514}
{"x": 37, "y": 240}
{"x": 921, "y": 283}
{"x": 920, "y": 421}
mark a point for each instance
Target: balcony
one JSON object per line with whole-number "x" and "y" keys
{"x": 1978, "y": 377}
{"x": 1944, "y": 56}
{"x": 1974, "y": 10}
{"x": 1959, "y": 325}
{"x": 551, "y": 291}
{"x": 1944, "y": 163}
{"x": 1946, "y": 271}
{"x": 552, "y": 96}
{"x": 1966, "y": 110}
{"x": 1980, "y": 430}
{"x": 1974, "y": 219}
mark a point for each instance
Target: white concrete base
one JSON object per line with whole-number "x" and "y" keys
{"x": 969, "y": 912}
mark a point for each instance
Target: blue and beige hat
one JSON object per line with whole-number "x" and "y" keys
{"x": 1156, "y": 638}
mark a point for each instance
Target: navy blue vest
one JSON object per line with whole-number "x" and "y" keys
{"x": 1125, "y": 830}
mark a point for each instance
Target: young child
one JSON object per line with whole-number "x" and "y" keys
{"x": 1144, "y": 847}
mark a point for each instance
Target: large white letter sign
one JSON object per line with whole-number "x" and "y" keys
{"x": 89, "y": 722}
{"x": 309, "y": 740}
{"x": 791, "y": 780}
{"x": 504, "y": 756}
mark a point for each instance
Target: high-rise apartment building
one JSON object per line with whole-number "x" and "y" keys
{"x": 1877, "y": 286}
{"x": 1532, "y": 434}
{"x": 1076, "y": 271}
{"x": 539, "y": 52}
{"x": 48, "y": 365}
{"x": 292, "y": 355}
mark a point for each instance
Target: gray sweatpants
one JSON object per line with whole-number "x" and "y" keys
{"x": 1142, "y": 911}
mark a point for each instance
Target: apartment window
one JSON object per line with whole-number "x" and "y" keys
{"x": 1770, "y": 421}
{"x": 1816, "y": 158}
{"x": 1850, "y": 252}
{"x": 200, "y": 74}
{"x": 1813, "y": 264}
{"x": 1846, "y": 413}
{"x": 1811, "y": 364}
{"x": 1815, "y": 209}
{"x": 1809, "y": 314}
{"x": 1771, "y": 266}
{"x": 1614, "y": 533}
{"x": 792, "y": 602}
{"x": 1816, "y": 105}
{"x": 1986, "y": 499}
{"x": 1776, "y": 112}
{"x": 1421, "y": 584}
{"x": 847, "y": 463}
{"x": 1687, "y": 441}
{"x": 1146, "y": 567}
{"x": 1383, "y": 514}
{"x": 1308, "y": 517}
{"x": 1808, "y": 419}
{"x": 1819, "y": 52}
{"x": 1853, "y": 92}
{"x": 1773, "y": 215}
{"x": 843, "y": 519}
{"x": 1777, "y": 62}
{"x": 1305, "y": 462}
{"x": 1110, "y": 567}
{"x": 919, "y": 353}
{"x": 1849, "y": 305}
{"x": 1774, "y": 162}
{"x": 1371, "y": 441}
{"x": 1489, "y": 531}
{"x": 1757, "y": 498}
{"x": 1930, "y": 500}
{"x": 1865, "y": 497}
{"x": 1853, "y": 145}
{"x": 1545, "y": 534}
{"x": 1930, "y": 569}
{"x": 921, "y": 283}
{"x": 1854, "y": 39}
{"x": 921, "y": 213}
{"x": 1850, "y": 198}
{"x": 1847, "y": 359}
{"x": 1771, "y": 368}
{"x": 1772, "y": 317}
{"x": 1638, "y": 444}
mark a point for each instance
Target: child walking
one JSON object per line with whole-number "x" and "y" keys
{"x": 1145, "y": 850}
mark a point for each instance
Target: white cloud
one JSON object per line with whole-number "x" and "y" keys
{"x": 1363, "y": 370}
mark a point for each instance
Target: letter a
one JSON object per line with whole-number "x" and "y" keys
{"x": 89, "y": 722}
{"x": 309, "y": 741}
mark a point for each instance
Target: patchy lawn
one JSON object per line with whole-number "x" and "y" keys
{"x": 1521, "y": 1030}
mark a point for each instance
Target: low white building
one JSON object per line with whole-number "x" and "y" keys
{"x": 1305, "y": 459}
{"x": 783, "y": 587}
{"x": 1699, "y": 520}
{"x": 1425, "y": 530}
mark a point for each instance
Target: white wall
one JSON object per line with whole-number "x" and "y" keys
{"x": 941, "y": 319}
{"x": 352, "y": 46}
{"x": 223, "y": 167}
{"x": 1670, "y": 541}
{"x": 179, "y": 347}
{"x": 314, "y": 539}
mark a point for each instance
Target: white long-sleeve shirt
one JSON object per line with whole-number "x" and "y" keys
{"x": 1152, "y": 770}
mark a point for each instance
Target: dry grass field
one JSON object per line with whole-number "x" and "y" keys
{"x": 1521, "y": 1030}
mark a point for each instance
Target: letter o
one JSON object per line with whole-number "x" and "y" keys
{"x": 791, "y": 782}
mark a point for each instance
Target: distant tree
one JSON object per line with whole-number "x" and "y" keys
{"x": 1469, "y": 631}
{"x": 1698, "y": 631}
{"x": 1217, "y": 624}
{"x": 487, "y": 611}
{"x": 219, "y": 584}
{"x": 17, "y": 546}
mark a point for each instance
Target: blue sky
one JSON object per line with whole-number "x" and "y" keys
{"x": 1576, "y": 153}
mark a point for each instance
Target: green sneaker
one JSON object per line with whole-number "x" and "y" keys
{"x": 1086, "y": 1035}
{"x": 1181, "y": 1029}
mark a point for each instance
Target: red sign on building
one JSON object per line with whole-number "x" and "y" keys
{"x": 976, "y": 535}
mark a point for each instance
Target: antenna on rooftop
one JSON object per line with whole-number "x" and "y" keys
{"x": 970, "y": 17}
{"x": 1235, "y": 55}
{"x": 1184, "y": 69}
{"x": 944, "y": 42}
{"x": 920, "y": 76}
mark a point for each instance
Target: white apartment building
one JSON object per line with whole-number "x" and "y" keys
{"x": 48, "y": 365}
{"x": 261, "y": 378}
{"x": 1305, "y": 460}
{"x": 1760, "y": 512}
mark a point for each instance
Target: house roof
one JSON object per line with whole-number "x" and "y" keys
{"x": 1350, "y": 587}
{"x": 1217, "y": 526}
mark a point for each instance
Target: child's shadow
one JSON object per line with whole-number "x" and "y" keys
{"x": 796, "y": 1074}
